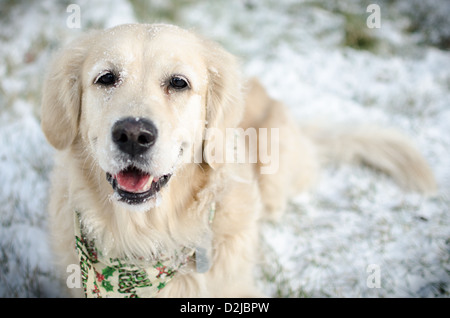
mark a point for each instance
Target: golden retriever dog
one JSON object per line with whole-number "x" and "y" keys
{"x": 167, "y": 159}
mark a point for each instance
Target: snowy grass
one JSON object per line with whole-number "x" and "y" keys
{"x": 319, "y": 58}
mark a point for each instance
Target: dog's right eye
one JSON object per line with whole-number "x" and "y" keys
{"x": 106, "y": 79}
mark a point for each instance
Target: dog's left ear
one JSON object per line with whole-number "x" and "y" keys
{"x": 224, "y": 102}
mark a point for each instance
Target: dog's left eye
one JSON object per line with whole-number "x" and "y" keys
{"x": 178, "y": 82}
{"x": 106, "y": 79}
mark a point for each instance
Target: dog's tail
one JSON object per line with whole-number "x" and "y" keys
{"x": 383, "y": 149}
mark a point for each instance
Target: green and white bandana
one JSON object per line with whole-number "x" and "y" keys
{"x": 103, "y": 277}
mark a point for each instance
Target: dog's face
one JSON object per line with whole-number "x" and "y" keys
{"x": 138, "y": 97}
{"x": 144, "y": 101}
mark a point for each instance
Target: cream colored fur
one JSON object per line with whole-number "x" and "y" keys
{"x": 77, "y": 117}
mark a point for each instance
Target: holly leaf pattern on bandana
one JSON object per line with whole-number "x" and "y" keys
{"x": 107, "y": 286}
{"x": 108, "y": 272}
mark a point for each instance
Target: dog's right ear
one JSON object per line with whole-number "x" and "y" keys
{"x": 61, "y": 98}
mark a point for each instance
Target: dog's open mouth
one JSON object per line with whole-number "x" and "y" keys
{"x": 135, "y": 186}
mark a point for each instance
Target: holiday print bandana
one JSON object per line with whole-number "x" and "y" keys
{"x": 115, "y": 277}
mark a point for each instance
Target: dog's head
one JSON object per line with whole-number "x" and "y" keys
{"x": 138, "y": 99}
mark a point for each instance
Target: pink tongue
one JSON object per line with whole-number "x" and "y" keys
{"x": 132, "y": 180}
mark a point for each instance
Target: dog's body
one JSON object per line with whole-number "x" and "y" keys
{"x": 126, "y": 107}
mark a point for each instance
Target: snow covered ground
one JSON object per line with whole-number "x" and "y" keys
{"x": 357, "y": 234}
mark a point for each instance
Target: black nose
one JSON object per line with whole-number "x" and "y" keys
{"x": 134, "y": 136}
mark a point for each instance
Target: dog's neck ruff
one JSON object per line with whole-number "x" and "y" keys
{"x": 108, "y": 277}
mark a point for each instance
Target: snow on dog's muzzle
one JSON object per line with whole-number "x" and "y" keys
{"x": 135, "y": 186}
